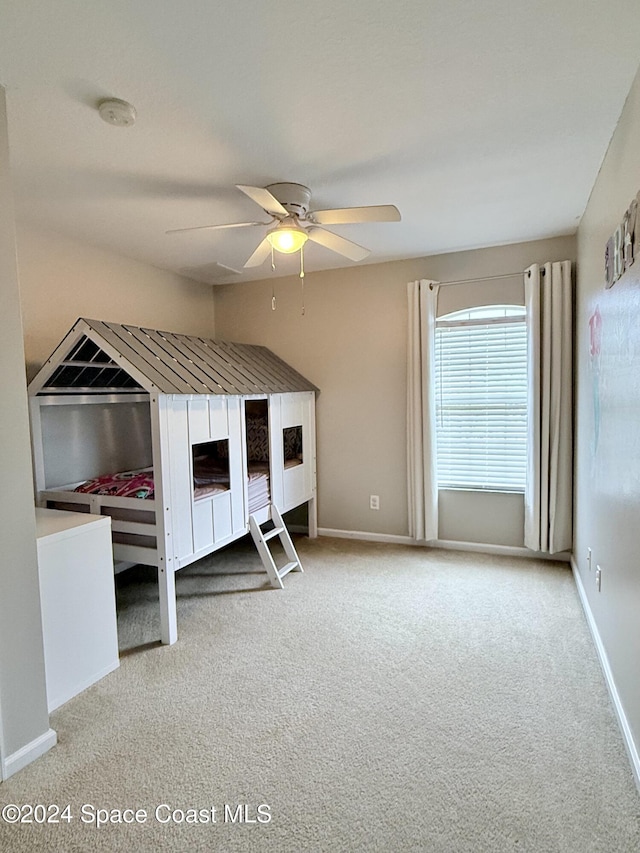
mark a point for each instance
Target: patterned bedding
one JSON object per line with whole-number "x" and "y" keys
{"x": 208, "y": 479}
{"x": 127, "y": 484}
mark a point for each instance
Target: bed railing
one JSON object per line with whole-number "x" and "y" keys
{"x": 133, "y": 520}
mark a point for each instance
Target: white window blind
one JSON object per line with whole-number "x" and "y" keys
{"x": 481, "y": 398}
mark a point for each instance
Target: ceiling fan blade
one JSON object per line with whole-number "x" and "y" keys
{"x": 338, "y": 244}
{"x": 214, "y": 227}
{"x": 260, "y": 255}
{"x": 266, "y": 200}
{"x": 348, "y": 215}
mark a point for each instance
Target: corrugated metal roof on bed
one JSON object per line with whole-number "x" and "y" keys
{"x": 100, "y": 357}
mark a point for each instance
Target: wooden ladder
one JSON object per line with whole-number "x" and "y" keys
{"x": 261, "y": 538}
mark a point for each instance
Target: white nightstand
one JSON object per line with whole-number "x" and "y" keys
{"x": 77, "y": 597}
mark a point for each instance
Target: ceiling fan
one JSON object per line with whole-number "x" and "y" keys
{"x": 292, "y": 223}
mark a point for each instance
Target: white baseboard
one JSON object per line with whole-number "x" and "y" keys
{"x": 498, "y": 550}
{"x": 28, "y": 753}
{"x": 366, "y": 537}
{"x": 627, "y": 735}
{"x": 446, "y": 544}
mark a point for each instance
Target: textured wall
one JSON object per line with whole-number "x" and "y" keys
{"x": 352, "y": 343}
{"x": 607, "y": 506}
{"x": 23, "y": 700}
{"x": 61, "y": 280}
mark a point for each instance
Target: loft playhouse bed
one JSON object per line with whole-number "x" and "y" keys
{"x": 186, "y": 443}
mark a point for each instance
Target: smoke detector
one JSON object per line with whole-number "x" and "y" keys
{"x": 116, "y": 112}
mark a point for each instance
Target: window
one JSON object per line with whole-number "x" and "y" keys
{"x": 210, "y": 468}
{"x": 481, "y": 398}
{"x": 292, "y": 445}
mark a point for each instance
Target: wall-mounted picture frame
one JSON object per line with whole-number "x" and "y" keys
{"x": 620, "y": 250}
{"x": 608, "y": 264}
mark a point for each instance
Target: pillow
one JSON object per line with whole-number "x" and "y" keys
{"x": 257, "y": 440}
{"x": 292, "y": 440}
{"x": 222, "y": 448}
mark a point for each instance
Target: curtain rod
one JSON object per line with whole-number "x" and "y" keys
{"x": 486, "y": 278}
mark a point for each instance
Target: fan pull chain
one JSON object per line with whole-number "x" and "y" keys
{"x": 273, "y": 286}
{"x": 302, "y": 276}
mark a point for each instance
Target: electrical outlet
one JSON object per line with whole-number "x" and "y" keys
{"x": 374, "y": 501}
{"x": 589, "y": 558}
{"x": 598, "y": 578}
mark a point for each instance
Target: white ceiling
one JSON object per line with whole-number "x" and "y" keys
{"x": 484, "y": 122}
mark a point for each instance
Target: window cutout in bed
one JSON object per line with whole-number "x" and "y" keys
{"x": 210, "y": 468}
{"x": 87, "y": 368}
{"x": 292, "y": 446}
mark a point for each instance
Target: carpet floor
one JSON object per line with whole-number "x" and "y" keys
{"x": 388, "y": 699}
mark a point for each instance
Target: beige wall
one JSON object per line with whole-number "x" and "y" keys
{"x": 61, "y": 280}
{"x": 607, "y": 475}
{"x": 352, "y": 343}
{"x": 490, "y": 518}
{"x": 23, "y": 701}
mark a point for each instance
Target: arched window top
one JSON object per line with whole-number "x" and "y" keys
{"x": 483, "y": 313}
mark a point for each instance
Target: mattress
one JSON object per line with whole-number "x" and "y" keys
{"x": 209, "y": 479}
{"x": 210, "y": 476}
{"x": 259, "y": 492}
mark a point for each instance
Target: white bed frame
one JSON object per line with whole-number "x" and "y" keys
{"x": 179, "y": 529}
{"x": 160, "y": 393}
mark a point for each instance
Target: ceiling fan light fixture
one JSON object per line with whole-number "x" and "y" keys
{"x": 287, "y": 237}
